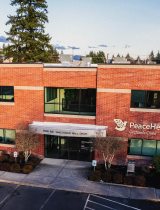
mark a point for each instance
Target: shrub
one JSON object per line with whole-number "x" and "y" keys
{"x": 140, "y": 180}
{"x": 4, "y": 157}
{"x": 95, "y": 176}
{"x": 145, "y": 169}
{"x": 128, "y": 180}
{"x": 5, "y": 166}
{"x": 27, "y": 169}
{"x": 156, "y": 163}
{"x": 100, "y": 167}
{"x": 11, "y": 159}
{"x": 33, "y": 160}
{"x": 118, "y": 178}
{"x": 107, "y": 176}
{"x": 15, "y": 167}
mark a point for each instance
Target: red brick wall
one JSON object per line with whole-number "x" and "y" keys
{"x": 129, "y": 77}
{"x": 70, "y": 77}
{"x": 21, "y": 74}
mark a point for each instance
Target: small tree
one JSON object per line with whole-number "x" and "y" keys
{"x": 107, "y": 147}
{"x": 26, "y": 141}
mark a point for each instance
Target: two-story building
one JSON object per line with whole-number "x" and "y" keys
{"x": 69, "y": 105}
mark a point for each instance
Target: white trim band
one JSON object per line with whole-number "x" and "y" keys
{"x": 129, "y": 67}
{"x": 12, "y": 65}
{"x": 7, "y": 103}
{"x": 69, "y": 69}
{"x": 70, "y": 116}
{"x": 144, "y": 110}
{"x": 106, "y": 90}
{"x": 28, "y": 88}
{"x": 8, "y": 145}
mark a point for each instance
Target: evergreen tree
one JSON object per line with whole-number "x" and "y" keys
{"x": 98, "y": 57}
{"x": 128, "y": 57}
{"x": 151, "y": 56}
{"x": 157, "y": 58}
{"x": 28, "y": 41}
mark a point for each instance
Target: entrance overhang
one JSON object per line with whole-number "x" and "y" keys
{"x": 68, "y": 129}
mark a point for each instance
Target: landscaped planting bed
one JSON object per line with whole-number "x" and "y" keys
{"x": 143, "y": 176}
{"x": 18, "y": 165}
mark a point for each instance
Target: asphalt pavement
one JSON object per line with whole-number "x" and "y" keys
{"x": 22, "y": 197}
{"x": 72, "y": 176}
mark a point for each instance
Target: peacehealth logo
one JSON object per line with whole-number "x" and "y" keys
{"x": 121, "y": 125}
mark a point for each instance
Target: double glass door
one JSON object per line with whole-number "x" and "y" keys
{"x": 71, "y": 148}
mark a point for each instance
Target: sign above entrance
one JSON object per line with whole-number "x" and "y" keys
{"x": 68, "y": 129}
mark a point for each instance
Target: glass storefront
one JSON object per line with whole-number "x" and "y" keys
{"x": 72, "y": 148}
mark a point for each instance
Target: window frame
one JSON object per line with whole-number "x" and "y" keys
{"x": 60, "y": 103}
{"x": 3, "y": 95}
{"x": 146, "y": 104}
{"x": 4, "y": 138}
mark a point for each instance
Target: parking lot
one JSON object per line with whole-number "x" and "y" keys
{"x": 99, "y": 202}
{"x": 21, "y": 197}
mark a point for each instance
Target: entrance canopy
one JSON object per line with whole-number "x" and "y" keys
{"x": 68, "y": 129}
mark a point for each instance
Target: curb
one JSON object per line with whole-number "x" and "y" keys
{"x": 47, "y": 186}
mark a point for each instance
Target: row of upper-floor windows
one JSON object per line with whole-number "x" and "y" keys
{"x": 82, "y": 101}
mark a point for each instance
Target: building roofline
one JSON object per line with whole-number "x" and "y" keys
{"x": 146, "y": 66}
{"x": 20, "y": 65}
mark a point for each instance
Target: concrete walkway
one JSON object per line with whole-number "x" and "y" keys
{"x": 72, "y": 176}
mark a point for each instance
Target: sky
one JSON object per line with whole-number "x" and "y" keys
{"x": 114, "y": 26}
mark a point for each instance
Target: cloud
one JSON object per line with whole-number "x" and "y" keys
{"x": 73, "y": 47}
{"x": 3, "y": 39}
{"x": 102, "y": 45}
{"x": 59, "y": 47}
{"x": 92, "y": 47}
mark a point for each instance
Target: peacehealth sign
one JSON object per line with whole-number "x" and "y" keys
{"x": 137, "y": 128}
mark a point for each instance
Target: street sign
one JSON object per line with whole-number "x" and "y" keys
{"x": 15, "y": 154}
{"x": 131, "y": 167}
{"x": 94, "y": 163}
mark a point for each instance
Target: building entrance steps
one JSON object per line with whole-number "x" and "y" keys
{"x": 72, "y": 175}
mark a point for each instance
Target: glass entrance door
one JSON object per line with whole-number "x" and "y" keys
{"x": 68, "y": 148}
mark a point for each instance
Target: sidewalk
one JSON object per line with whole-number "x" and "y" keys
{"x": 71, "y": 175}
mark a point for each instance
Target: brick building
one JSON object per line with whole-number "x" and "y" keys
{"x": 67, "y": 106}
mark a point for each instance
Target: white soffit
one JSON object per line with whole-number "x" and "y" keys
{"x": 68, "y": 129}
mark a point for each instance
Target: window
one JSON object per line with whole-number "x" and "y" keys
{"x": 145, "y": 99}
{"x": 135, "y": 146}
{"x": 6, "y": 93}
{"x": 70, "y": 101}
{"x": 144, "y": 147}
{"x": 7, "y": 136}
